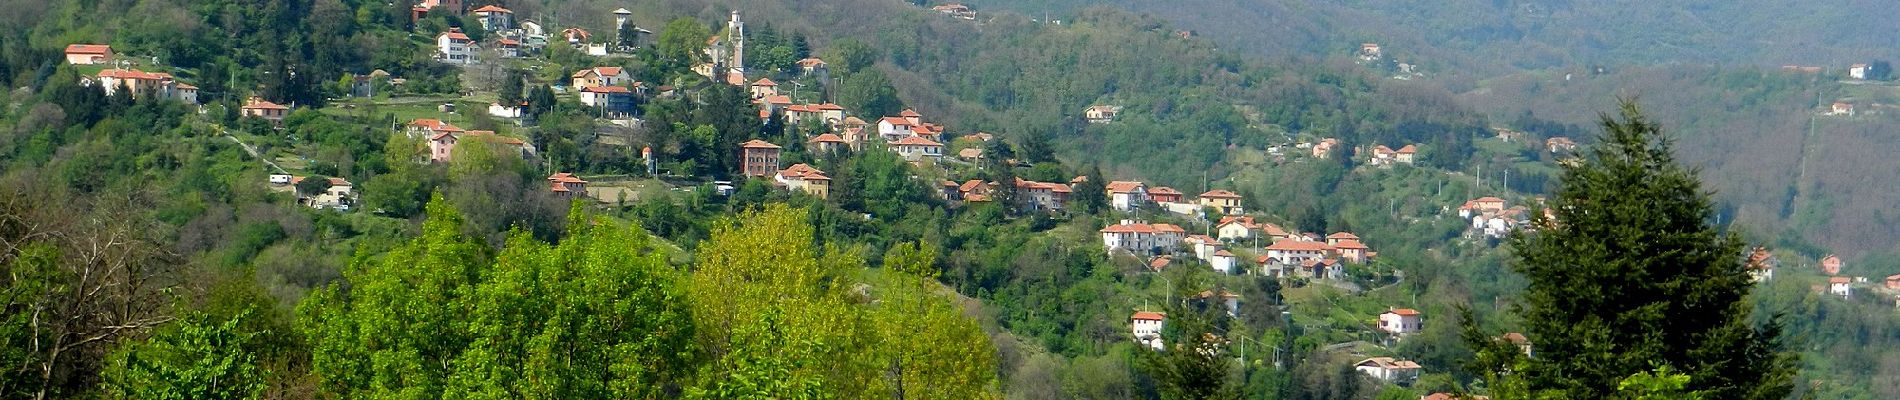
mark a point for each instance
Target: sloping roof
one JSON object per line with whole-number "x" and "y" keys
{"x": 758, "y": 144}
{"x": 1839, "y": 280}
{"x": 1515, "y": 338}
{"x": 1296, "y": 245}
{"x": 133, "y": 74}
{"x": 1123, "y": 186}
{"x": 1149, "y": 316}
{"x": 811, "y": 62}
{"x": 827, "y": 138}
{"x": 1220, "y": 194}
{"x": 1273, "y": 230}
{"x": 1404, "y": 312}
{"x": 970, "y": 185}
{"x": 1343, "y": 236}
{"x": 261, "y": 104}
{"x": 764, "y": 82}
{"x": 909, "y": 113}
{"x": 1408, "y": 149}
{"x": 899, "y": 121}
{"x": 915, "y": 141}
{"x": 454, "y": 35}
{"x": 803, "y": 171}
{"x": 606, "y": 89}
{"x": 493, "y": 8}
{"x": 88, "y": 49}
{"x": 563, "y": 177}
{"x": 1350, "y": 244}
{"x": 1223, "y": 253}
{"x": 1163, "y": 190}
{"x": 970, "y": 152}
{"x": 434, "y": 125}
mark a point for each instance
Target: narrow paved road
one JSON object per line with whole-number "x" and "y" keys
{"x": 253, "y": 150}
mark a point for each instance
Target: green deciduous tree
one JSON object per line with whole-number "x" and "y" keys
{"x": 681, "y": 42}
{"x": 196, "y": 358}
{"x": 869, "y": 92}
{"x": 1631, "y": 275}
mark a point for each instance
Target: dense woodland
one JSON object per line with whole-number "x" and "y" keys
{"x": 145, "y": 259}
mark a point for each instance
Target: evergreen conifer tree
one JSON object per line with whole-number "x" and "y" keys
{"x": 1628, "y": 275}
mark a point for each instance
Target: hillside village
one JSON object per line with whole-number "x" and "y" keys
{"x": 1154, "y": 227}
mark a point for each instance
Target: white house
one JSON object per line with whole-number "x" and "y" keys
{"x": 915, "y": 148}
{"x": 161, "y": 84}
{"x": 1294, "y": 252}
{"x": 494, "y": 18}
{"x": 454, "y": 47}
{"x": 1142, "y": 238}
{"x": 895, "y": 128}
{"x": 1856, "y": 71}
{"x": 1203, "y": 246}
{"x": 1235, "y": 227}
{"x": 1388, "y": 369}
{"x": 1146, "y": 327}
{"x": 1225, "y": 262}
{"x": 501, "y": 111}
{"x": 1401, "y": 321}
{"x": 1840, "y": 286}
{"x": 1100, "y": 114}
{"x": 600, "y": 76}
{"x": 1322, "y": 268}
{"x": 1127, "y": 195}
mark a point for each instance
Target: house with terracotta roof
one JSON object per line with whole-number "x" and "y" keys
{"x": 1557, "y": 144}
{"x": 1274, "y": 233}
{"x": 494, "y": 18}
{"x": 442, "y": 145}
{"x": 1203, "y": 246}
{"x": 763, "y": 87}
{"x": 1832, "y": 264}
{"x": 1406, "y": 155}
{"x": 976, "y": 190}
{"x": 915, "y": 148}
{"x": 340, "y": 195}
{"x": 600, "y": 76}
{"x": 1518, "y": 339}
{"x": 508, "y": 47}
{"x": 1236, "y": 227}
{"x": 1164, "y": 194}
{"x": 1142, "y": 238}
{"x": 1401, "y": 321}
{"x": 1159, "y": 263}
{"x": 1841, "y": 108}
{"x": 1100, "y": 114}
{"x": 955, "y": 10}
{"x": 1352, "y": 250}
{"x": 1221, "y": 200}
{"x": 1126, "y": 195}
{"x": 1337, "y": 237}
{"x": 611, "y": 100}
{"x": 758, "y": 158}
{"x": 1324, "y": 148}
{"x": 811, "y": 65}
{"x": 159, "y": 84}
{"x": 88, "y": 54}
{"x": 576, "y": 35}
{"x": 424, "y": 128}
{"x": 455, "y": 47}
{"x": 566, "y": 185}
{"x": 1228, "y": 300}
{"x": 260, "y": 108}
{"x": 1481, "y": 205}
{"x": 1840, "y": 286}
{"x": 1293, "y": 252}
{"x": 828, "y": 142}
{"x": 1225, "y": 262}
{"x": 1370, "y": 52}
{"x": 893, "y": 129}
{"x": 1320, "y": 268}
{"x": 1382, "y": 155}
{"x": 805, "y": 178}
{"x": 1042, "y": 195}
{"x": 1388, "y": 369}
{"x": 1146, "y": 326}
{"x": 1761, "y": 264}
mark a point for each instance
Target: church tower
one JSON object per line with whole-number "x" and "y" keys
{"x": 736, "y": 28}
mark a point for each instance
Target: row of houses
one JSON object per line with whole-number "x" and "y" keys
{"x": 443, "y": 138}
{"x": 1133, "y": 195}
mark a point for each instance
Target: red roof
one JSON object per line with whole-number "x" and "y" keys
{"x": 764, "y": 82}
{"x": 1839, "y": 280}
{"x": 777, "y": 99}
{"x": 1149, "y": 316}
{"x": 811, "y": 62}
{"x": 1515, "y": 338}
{"x": 803, "y": 171}
{"x": 1408, "y": 149}
{"x": 1296, "y": 245}
{"x": 603, "y": 71}
{"x": 758, "y": 144}
{"x": 1163, "y": 190}
{"x": 88, "y": 49}
{"x": 1123, "y": 186}
{"x": 899, "y": 121}
{"x": 261, "y": 104}
{"x": 455, "y": 35}
{"x": 1343, "y": 236}
{"x": 493, "y": 8}
{"x": 563, "y": 177}
{"x": 909, "y": 113}
{"x": 1404, "y": 312}
{"x": 916, "y": 141}
{"x": 829, "y": 107}
{"x": 606, "y": 89}
{"x": 434, "y": 125}
{"x": 827, "y": 138}
{"x": 1220, "y": 194}
{"x": 133, "y": 74}
{"x": 1350, "y": 244}
{"x": 1273, "y": 230}
{"x": 1223, "y": 253}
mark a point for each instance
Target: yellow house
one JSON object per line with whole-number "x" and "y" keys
{"x": 1224, "y": 201}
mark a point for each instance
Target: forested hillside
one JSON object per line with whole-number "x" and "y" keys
{"x": 1491, "y": 37}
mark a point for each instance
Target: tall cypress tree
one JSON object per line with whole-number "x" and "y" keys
{"x": 1629, "y": 277}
